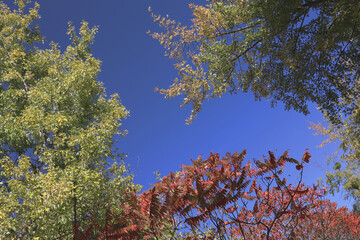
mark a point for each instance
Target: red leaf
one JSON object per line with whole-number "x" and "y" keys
{"x": 299, "y": 167}
{"x": 306, "y": 157}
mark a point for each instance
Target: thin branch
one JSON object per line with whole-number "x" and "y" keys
{"x": 312, "y": 3}
{"x": 234, "y": 31}
{"x": 298, "y": 32}
{"x": 243, "y": 53}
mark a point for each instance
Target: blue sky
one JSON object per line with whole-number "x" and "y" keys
{"x": 158, "y": 139}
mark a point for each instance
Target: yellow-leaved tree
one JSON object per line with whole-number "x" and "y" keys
{"x": 57, "y": 129}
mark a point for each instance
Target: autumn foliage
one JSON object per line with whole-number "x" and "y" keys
{"x": 228, "y": 198}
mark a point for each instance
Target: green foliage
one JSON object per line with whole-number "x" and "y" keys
{"x": 288, "y": 51}
{"x": 57, "y": 129}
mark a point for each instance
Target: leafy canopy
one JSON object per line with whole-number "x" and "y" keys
{"x": 294, "y": 52}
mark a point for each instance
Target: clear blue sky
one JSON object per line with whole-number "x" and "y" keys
{"x": 134, "y": 64}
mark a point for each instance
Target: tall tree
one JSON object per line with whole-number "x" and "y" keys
{"x": 289, "y": 51}
{"x": 57, "y": 130}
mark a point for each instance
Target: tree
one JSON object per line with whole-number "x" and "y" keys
{"x": 229, "y": 198}
{"x": 289, "y": 51}
{"x": 346, "y": 161}
{"x": 57, "y": 130}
